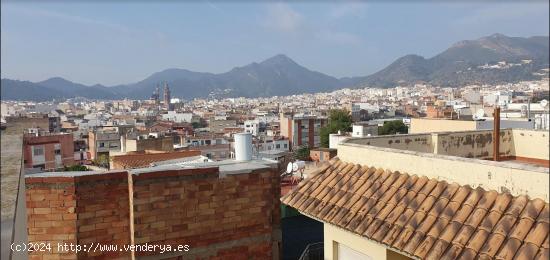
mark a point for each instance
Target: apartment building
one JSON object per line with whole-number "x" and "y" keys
{"x": 48, "y": 151}
{"x": 252, "y": 127}
{"x": 302, "y": 130}
{"x": 42, "y": 121}
{"x": 213, "y": 146}
{"x": 101, "y": 142}
{"x": 217, "y": 126}
{"x": 136, "y": 143}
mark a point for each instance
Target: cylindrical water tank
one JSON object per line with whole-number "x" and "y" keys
{"x": 298, "y": 165}
{"x": 243, "y": 147}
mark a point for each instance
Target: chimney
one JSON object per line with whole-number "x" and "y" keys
{"x": 243, "y": 147}
{"x": 496, "y": 134}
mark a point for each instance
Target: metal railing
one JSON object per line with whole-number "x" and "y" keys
{"x": 313, "y": 251}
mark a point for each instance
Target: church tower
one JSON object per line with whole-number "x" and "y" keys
{"x": 166, "y": 96}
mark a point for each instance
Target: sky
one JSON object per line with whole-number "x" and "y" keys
{"x": 122, "y": 42}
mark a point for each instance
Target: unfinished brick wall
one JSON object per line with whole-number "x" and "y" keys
{"x": 235, "y": 217}
{"x": 84, "y": 210}
{"x": 103, "y": 216}
{"x": 51, "y": 216}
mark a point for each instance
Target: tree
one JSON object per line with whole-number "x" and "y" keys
{"x": 302, "y": 153}
{"x": 102, "y": 161}
{"x": 75, "y": 168}
{"x": 339, "y": 120}
{"x": 393, "y": 127}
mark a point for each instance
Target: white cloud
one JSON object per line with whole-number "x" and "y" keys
{"x": 282, "y": 17}
{"x": 349, "y": 9}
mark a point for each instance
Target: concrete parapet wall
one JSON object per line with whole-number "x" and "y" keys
{"x": 500, "y": 176}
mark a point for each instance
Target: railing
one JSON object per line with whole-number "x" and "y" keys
{"x": 313, "y": 251}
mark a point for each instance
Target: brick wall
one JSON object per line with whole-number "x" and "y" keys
{"x": 51, "y": 215}
{"x": 87, "y": 210}
{"x": 236, "y": 216}
{"x": 103, "y": 212}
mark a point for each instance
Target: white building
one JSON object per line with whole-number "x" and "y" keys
{"x": 252, "y": 127}
{"x": 364, "y": 130}
{"x": 178, "y": 117}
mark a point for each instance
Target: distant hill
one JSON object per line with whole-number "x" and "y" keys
{"x": 488, "y": 60}
{"x": 53, "y": 88}
{"x": 278, "y": 75}
{"x": 26, "y": 90}
{"x": 463, "y": 63}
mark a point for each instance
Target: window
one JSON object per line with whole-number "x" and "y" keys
{"x": 57, "y": 151}
{"x": 346, "y": 253}
{"x": 285, "y": 146}
{"x": 101, "y": 144}
{"x": 277, "y": 146}
{"x": 38, "y": 150}
{"x": 57, "y": 146}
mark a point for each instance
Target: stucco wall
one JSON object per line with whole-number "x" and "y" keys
{"x": 417, "y": 142}
{"x": 473, "y": 144}
{"x": 426, "y": 125}
{"x": 499, "y": 176}
{"x": 334, "y": 234}
{"x": 531, "y": 144}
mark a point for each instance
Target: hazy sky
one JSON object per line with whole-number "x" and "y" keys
{"x": 124, "y": 41}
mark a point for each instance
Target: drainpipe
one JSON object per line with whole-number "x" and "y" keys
{"x": 528, "y": 109}
{"x": 496, "y": 134}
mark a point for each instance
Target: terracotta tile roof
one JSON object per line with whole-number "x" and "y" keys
{"x": 130, "y": 161}
{"x": 424, "y": 218}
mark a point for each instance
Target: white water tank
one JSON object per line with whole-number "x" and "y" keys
{"x": 243, "y": 146}
{"x": 298, "y": 165}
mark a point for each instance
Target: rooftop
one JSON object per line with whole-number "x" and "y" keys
{"x": 423, "y": 217}
{"x": 516, "y": 145}
{"x": 464, "y": 157}
{"x": 130, "y": 161}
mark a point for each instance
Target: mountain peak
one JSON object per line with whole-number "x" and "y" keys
{"x": 278, "y": 59}
{"x": 57, "y": 80}
{"x": 498, "y": 35}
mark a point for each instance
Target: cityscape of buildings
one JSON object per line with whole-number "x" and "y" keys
{"x": 275, "y": 130}
{"x": 170, "y": 171}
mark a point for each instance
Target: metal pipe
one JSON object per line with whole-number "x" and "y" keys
{"x": 496, "y": 134}
{"x": 529, "y": 108}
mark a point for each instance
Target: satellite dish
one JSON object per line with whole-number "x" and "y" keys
{"x": 289, "y": 167}
{"x": 544, "y": 103}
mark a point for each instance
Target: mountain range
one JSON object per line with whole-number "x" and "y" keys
{"x": 488, "y": 60}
